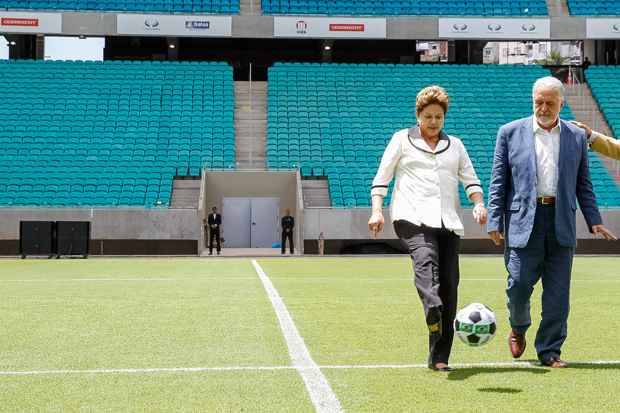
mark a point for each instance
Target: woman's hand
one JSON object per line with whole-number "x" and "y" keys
{"x": 375, "y": 223}
{"x": 480, "y": 214}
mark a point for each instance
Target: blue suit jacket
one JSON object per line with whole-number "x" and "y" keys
{"x": 512, "y": 193}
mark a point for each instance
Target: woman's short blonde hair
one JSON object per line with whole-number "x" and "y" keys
{"x": 432, "y": 95}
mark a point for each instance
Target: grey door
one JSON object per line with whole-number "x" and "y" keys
{"x": 250, "y": 222}
{"x": 236, "y": 217}
{"x": 265, "y": 225}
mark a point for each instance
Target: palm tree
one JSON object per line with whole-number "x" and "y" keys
{"x": 555, "y": 58}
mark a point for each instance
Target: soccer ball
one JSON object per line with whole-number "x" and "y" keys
{"x": 475, "y": 324}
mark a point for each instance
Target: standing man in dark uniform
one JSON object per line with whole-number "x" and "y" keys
{"x": 288, "y": 223}
{"x": 214, "y": 220}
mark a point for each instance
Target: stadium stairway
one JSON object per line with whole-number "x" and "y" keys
{"x": 185, "y": 192}
{"x": 250, "y": 8}
{"x": 315, "y": 192}
{"x": 250, "y": 124}
{"x": 557, "y": 8}
{"x": 586, "y": 109}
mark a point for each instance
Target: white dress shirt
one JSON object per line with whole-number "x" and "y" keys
{"x": 547, "y": 159}
{"x": 426, "y": 186}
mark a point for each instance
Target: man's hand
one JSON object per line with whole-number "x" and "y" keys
{"x": 480, "y": 214}
{"x": 584, "y": 127}
{"x": 376, "y": 223}
{"x": 496, "y": 237}
{"x": 601, "y": 230}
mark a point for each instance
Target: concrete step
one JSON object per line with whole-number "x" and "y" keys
{"x": 557, "y": 8}
{"x": 586, "y": 109}
{"x": 245, "y": 85}
{"x": 250, "y": 123}
{"x": 256, "y": 106}
{"x": 186, "y": 184}
{"x": 256, "y": 94}
{"x": 315, "y": 192}
{"x": 255, "y": 116}
{"x": 185, "y": 193}
{"x": 249, "y": 142}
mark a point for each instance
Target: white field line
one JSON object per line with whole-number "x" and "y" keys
{"x": 304, "y": 278}
{"x": 300, "y": 368}
{"x": 323, "y": 397}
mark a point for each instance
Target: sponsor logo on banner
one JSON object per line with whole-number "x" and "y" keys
{"x": 151, "y": 24}
{"x": 494, "y": 28}
{"x": 603, "y": 28}
{"x": 197, "y": 24}
{"x": 346, "y": 27}
{"x": 460, "y": 28}
{"x": 528, "y": 28}
{"x": 30, "y": 22}
{"x": 8, "y": 21}
{"x": 173, "y": 25}
{"x": 330, "y": 27}
{"x": 302, "y": 27}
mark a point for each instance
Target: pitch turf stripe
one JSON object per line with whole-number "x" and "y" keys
{"x": 304, "y": 279}
{"x": 321, "y": 393}
{"x": 507, "y": 364}
{"x": 91, "y": 279}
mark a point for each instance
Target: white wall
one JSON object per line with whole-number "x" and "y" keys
{"x": 74, "y": 48}
{"x": 4, "y": 49}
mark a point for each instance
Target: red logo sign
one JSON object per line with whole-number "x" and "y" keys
{"x": 302, "y": 27}
{"x": 10, "y": 21}
{"x": 346, "y": 28}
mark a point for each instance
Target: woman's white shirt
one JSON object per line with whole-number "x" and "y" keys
{"x": 426, "y": 180}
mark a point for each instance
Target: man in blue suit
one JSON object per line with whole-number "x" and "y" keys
{"x": 540, "y": 168}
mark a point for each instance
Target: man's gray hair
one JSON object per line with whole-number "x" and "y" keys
{"x": 548, "y": 82}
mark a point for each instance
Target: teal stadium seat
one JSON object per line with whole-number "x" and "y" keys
{"x": 594, "y": 7}
{"x": 334, "y": 120}
{"x": 409, "y": 7}
{"x": 147, "y": 6}
{"x": 110, "y": 134}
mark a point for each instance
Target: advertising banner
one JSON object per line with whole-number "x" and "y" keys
{"x": 25, "y": 22}
{"x": 330, "y": 27}
{"x": 162, "y": 25}
{"x": 516, "y": 28}
{"x": 602, "y": 28}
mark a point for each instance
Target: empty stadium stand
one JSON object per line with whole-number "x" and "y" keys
{"x": 334, "y": 120}
{"x": 594, "y": 7}
{"x": 604, "y": 82}
{"x": 408, "y": 7}
{"x": 110, "y": 133}
{"x": 147, "y": 6}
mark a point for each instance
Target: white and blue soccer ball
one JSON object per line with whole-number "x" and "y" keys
{"x": 475, "y": 324}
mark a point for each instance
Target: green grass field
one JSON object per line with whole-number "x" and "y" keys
{"x": 81, "y": 336}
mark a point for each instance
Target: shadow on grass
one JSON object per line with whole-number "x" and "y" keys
{"x": 593, "y": 366}
{"x": 463, "y": 373}
{"x": 501, "y": 390}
